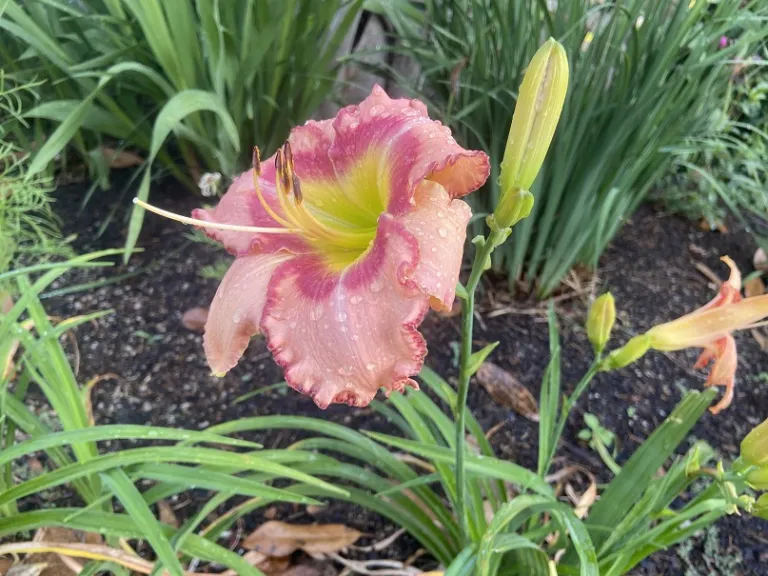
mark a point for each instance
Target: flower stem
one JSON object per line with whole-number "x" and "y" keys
{"x": 482, "y": 256}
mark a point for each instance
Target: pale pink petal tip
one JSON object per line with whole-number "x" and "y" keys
{"x": 340, "y": 339}
{"x": 235, "y": 313}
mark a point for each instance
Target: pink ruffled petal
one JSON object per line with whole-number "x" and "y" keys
{"x": 240, "y": 205}
{"x": 439, "y": 225}
{"x": 340, "y": 337}
{"x": 409, "y": 146}
{"x": 235, "y": 312}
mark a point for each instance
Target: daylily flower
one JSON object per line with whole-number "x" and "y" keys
{"x": 710, "y": 327}
{"x": 356, "y": 229}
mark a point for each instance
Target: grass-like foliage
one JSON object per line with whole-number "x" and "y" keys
{"x": 28, "y": 228}
{"x": 31, "y": 354}
{"x": 725, "y": 170}
{"x": 217, "y": 76}
{"x": 643, "y": 75}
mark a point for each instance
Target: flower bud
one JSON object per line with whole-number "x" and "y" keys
{"x": 758, "y": 479}
{"x": 630, "y": 352}
{"x": 514, "y": 205}
{"x": 602, "y": 315}
{"x": 760, "y": 508}
{"x": 754, "y": 447}
{"x": 539, "y": 103}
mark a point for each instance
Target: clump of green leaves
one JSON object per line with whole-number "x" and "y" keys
{"x": 28, "y": 226}
{"x": 725, "y": 169}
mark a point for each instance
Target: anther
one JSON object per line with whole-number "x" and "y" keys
{"x": 256, "y": 161}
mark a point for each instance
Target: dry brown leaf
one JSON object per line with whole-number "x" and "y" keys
{"x": 275, "y": 538}
{"x": 583, "y": 502}
{"x": 90, "y": 551}
{"x": 270, "y": 513}
{"x": 760, "y": 338}
{"x": 507, "y": 391}
{"x": 27, "y": 569}
{"x": 760, "y": 260}
{"x": 754, "y": 287}
{"x": 166, "y": 515}
{"x": 5, "y": 565}
{"x": 121, "y": 158}
{"x": 194, "y": 319}
{"x": 253, "y": 558}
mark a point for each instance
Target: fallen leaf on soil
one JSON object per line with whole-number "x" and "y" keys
{"x": 194, "y": 319}
{"x": 760, "y": 338}
{"x": 277, "y": 538}
{"x": 583, "y": 502}
{"x": 27, "y": 569}
{"x": 760, "y": 260}
{"x": 507, "y": 391}
{"x": 166, "y": 515}
{"x": 314, "y": 509}
{"x": 121, "y": 158}
{"x": 754, "y": 287}
{"x": 89, "y": 551}
{"x": 270, "y": 513}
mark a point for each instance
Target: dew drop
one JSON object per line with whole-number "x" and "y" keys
{"x": 355, "y": 337}
{"x": 440, "y": 214}
{"x": 370, "y": 367}
{"x": 434, "y": 249}
{"x": 236, "y": 318}
{"x": 341, "y": 316}
{"x": 432, "y": 136}
{"x": 356, "y": 299}
{"x": 376, "y": 286}
{"x": 443, "y": 233}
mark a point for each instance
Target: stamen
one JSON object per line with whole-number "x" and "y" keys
{"x": 267, "y": 208}
{"x": 214, "y": 225}
{"x": 297, "y": 195}
{"x": 256, "y": 161}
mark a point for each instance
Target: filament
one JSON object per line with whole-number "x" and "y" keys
{"x": 214, "y": 225}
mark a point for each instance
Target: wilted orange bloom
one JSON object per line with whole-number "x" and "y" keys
{"x": 711, "y": 327}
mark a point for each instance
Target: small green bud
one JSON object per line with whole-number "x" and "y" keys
{"x": 600, "y": 320}
{"x": 754, "y": 447}
{"x": 630, "y": 352}
{"x": 539, "y": 103}
{"x": 760, "y": 508}
{"x": 514, "y": 205}
{"x": 758, "y": 479}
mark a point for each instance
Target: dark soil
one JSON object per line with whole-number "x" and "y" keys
{"x": 162, "y": 377}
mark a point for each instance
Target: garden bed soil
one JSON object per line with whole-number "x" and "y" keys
{"x": 161, "y": 376}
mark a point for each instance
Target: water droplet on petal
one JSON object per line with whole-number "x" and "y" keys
{"x": 376, "y": 286}
{"x": 370, "y": 367}
{"x": 356, "y": 299}
{"x": 236, "y": 318}
{"x": 443, "y": 233}
{"x": 440, "y": 214}
{"x": 434, "y": 249}
{"x": 341, "y": 316}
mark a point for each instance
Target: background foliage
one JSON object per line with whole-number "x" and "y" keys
{"x": 643, "y": 76}
{"x": 726, "y": 168}
{"x": 218, "y": 76}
